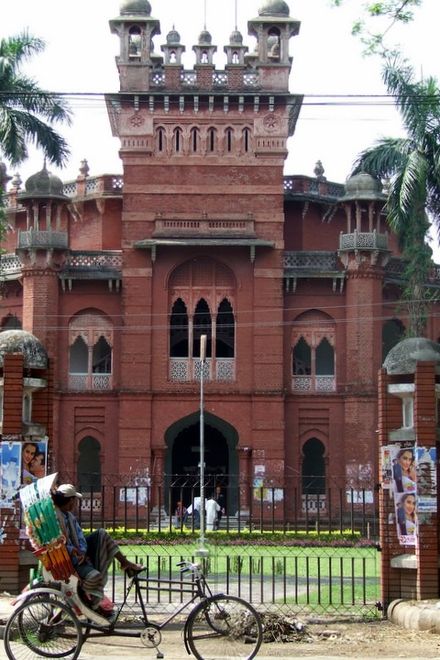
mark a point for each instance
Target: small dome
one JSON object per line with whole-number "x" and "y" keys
{"x": 205, "y": 38}
{"x": 274, "y": 8}
{"x": 173, "y": 38}
{"x": 403, "y": 357}
{"x": 236, "y": 38}
{"x": 43, "y": 184}
{"x": 20, "y": 341}
{"x": 135, "y": 7}
{"x": 363, "y": 186}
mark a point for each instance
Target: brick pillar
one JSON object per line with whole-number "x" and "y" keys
{"x": 427, "y": 547}
{"x": 244, "y": 459}
{"x": 13, "y": 394}
{"x": 12, "y": 425}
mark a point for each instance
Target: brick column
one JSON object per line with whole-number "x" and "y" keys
{"x": 427, "y": 548}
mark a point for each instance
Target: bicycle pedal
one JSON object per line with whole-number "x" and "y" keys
{"x": 159, "y": 654}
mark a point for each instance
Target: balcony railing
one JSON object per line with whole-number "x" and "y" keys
{"x": 310, "y": 384}
{"x": 319, "y": 261}
{"x": 44, "y": 240}
{"x": 215, "y": 369}
{"x": 360, "y": 240}
{"x": 87, "y": 382}
{"x": 181, "y": 227}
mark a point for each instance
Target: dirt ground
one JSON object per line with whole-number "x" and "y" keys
{"x": 380, "y": 639}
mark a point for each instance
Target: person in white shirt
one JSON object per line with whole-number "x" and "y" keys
{"x": 212, "y": 509}
{"x": 194, "y": 509}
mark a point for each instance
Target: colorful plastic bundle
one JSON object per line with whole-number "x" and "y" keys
{"x": 44, "y": 529}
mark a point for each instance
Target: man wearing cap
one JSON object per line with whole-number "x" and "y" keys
{"x": 92, "y": 554}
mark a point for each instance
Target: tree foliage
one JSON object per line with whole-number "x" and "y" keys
{"x": 376, "y": 21}
{"x": 28, "y": 112}
{"x": 411, "y": 165}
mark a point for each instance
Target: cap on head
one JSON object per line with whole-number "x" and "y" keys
{"x": 68, "y": 490}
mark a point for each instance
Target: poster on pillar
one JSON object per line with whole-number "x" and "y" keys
{"x": 401, "y": 458}
{"x": 426, "y": 459}
{"x": 33, "y": 461}
{"x": 10, "y": 472}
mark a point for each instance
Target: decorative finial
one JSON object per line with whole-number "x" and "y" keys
{"x": 204, "y": 17}
{"x": 84, "y": 168}
{"x": 319, "y": 171}
{"x": 236, "y": 14}
{"x": 16, "y": 181}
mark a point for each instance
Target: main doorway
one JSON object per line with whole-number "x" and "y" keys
{"x": 182, "y": 463}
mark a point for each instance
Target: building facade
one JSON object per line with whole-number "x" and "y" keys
{"x": 294, "y": 280}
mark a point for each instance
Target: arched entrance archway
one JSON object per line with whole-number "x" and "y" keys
{"x": 183, "y": 456}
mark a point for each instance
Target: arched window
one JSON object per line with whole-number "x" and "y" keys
{"x": 11, "y": 322}
{"x": 178, "y": 140}
{"x": 393, "y": 331}
{"x": 246, "y": 140}
{"x": 195, "y": 140}
{"x": 302, "y": 358}
{"x": 79, "y": 357}
{"x": 229, "y": 135}
{"x": 173, "y": 57}
{"x": 204, "y": 59}
{"x": 89, "y": 465}
{"x": 225, "y": 331}
{"x": 273, "y": 44}
{"x": 212, "y": 139}
{"x": 160, "y": 139}
{"x": 313, "y": 364}
{"x": 313, "y": 468}
{"x": 325, "y": 359}
{"x": 209, "y": 289}
{"x": 202, "y": 326}
{"x": 179, "y": 346}
{"x": 235, "y": 58}
{"x": 134, "y": 43}
{"x": 102, "y": 357}
{"x": 90, "y": 352}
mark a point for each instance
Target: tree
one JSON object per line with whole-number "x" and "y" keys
{"x": 26, "y": 110}
{"x": 388, "y": 13}
{"x": 412, "y": 167}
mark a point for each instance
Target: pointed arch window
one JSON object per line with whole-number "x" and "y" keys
{"x": 246, "y": 139}
{"x": 229, "y": 136}
{"x": 202, "y": 326}
{"x": 134, "y": 43}
{"x": 90, "y": 352}
{"x": 393, "y": 331}
{"x": 179, "y": 330}
{"x": 212, "y": 139}
{"x": 178, "y": 140}
{"x": 313, "y": 353}
{"x": 225, "y": 331}
{"x": 160, "y": 139}
{"x": 313, "y": 475}
{"x": 11, "y": 322}
{"x": 195, "y": 140}
{"x": 207, "y": 288}
{"x": 89, "y": 465}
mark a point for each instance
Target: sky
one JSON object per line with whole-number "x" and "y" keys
{"x": 80, "y": 57}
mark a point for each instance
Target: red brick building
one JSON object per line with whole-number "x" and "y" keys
{"x": 293, "y": 279}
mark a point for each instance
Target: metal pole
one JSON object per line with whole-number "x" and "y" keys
{"x": 202, "y": 551}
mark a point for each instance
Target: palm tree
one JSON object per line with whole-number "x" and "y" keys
{"x": 26, "y": 110}
{"x": 411, "y": 165}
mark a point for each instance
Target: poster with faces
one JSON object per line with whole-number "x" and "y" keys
{"x": 33, "y": 461}
{"x": 404, "y": 487}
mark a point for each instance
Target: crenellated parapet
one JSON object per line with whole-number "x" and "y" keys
{"x": 266, "y": 68}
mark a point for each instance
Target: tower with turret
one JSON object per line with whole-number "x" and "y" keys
{"x": 203, "y": 151}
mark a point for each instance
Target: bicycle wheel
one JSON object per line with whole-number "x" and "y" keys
{"x": 43, "y": 627}
{"x": 224, "y": 627}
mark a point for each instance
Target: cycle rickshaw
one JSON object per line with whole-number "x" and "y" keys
{"x": 52, "y": 621}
